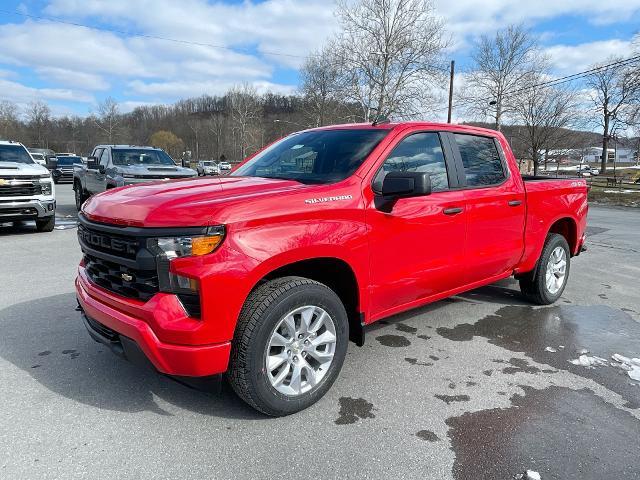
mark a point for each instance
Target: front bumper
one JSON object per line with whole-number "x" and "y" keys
{"x": 15, "y": 209}
{"x": 118, "y": 323}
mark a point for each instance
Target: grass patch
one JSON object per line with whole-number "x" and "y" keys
{"x": 614, "y": 196}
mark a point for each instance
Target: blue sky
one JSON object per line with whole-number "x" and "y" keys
{"x": 73, "y": 68}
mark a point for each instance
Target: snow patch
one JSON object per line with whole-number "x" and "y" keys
{"x": 630, "y": 365}
{"x": 528, "y": 475}
{"x": 589, "y": 361}
{"x": 550, "y": 349}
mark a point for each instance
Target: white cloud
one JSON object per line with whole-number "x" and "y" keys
{"x": 183, "y": 88}
{"x": 21, "y": 94}
{"x": 466, "y": 19}
{"x": 577, "y": 58}
{"x": 73, "y": 78}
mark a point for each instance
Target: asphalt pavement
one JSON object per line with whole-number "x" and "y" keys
{"x": 480, "y": 386}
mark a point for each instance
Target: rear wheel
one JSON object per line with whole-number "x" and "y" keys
{"x": 290, "y": 343}
{"x": 546, "y": 284}
{"x": 46, "y": 224}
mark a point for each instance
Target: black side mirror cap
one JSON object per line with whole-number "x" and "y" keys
{"x": 52, "y": 163}
{"x": 406, "y": 184}
{"x": 92, "y": 163}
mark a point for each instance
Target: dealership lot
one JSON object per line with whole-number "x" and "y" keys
{"x": 478, "y": 386}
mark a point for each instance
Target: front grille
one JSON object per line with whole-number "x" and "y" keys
{"x": 18, "y": 212}
{"x": 128, "y": 282}
{"x": 20, "y": 189}
{"x": 118, "y": 245}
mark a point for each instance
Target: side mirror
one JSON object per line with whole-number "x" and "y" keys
{"x": 406, "y": 184}
{"x": 401, "y": 185}
{"x": 101, "y": 169}
{"x": 52, "y": 163}
{"x": 92, "y": 163}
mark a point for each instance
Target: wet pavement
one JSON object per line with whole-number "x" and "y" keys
{"x": 479, "y": 386}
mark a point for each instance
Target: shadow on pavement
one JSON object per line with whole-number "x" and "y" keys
{"x": 46, "y": 339}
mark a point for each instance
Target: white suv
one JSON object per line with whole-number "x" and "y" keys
{"x": 26, "y": 188}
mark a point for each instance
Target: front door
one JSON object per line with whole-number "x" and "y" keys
{"x": 417, "y": 247}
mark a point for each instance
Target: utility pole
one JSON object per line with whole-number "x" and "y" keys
{"x": 453, "y": 64}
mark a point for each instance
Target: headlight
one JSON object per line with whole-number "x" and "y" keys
{"x": 175, "y": 247}
{"x": 45, "y": 186}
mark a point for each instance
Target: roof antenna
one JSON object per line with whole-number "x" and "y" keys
{"x": 380, "y": 120}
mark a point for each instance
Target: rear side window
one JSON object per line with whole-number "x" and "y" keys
{"x": 420, "y": 152}
{"x": 481, "y": 160}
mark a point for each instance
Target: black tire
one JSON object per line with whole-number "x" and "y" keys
{"x": 261, "y": 313}
{"x": 533, "y": 285}
{"x": 46, "y": 224}
{"x": 80, "y": 196}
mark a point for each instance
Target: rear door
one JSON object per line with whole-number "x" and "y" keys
{"x": 417, "y": 245}
{"x": 495, "y": 206}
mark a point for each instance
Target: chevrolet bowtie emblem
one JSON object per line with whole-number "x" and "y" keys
{"x": 126, "y": 277}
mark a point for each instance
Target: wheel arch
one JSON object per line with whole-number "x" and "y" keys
{"x": 568, "y": 228}
{"x": 336, "y": 274}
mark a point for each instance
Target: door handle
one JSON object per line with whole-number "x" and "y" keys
{"x": 452, "y": 211}
{"x": 515, "y": 203}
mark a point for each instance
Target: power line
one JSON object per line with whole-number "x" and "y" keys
{"x": 142, "y": 35}
{"x": 575, "y": 76}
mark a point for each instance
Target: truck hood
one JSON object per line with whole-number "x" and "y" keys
{"x": 21, "y": 169}
{"x": 156, "y": 170}
{"x": 189, "y": 202}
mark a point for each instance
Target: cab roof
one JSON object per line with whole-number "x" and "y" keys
{"x": 411, "y": 124}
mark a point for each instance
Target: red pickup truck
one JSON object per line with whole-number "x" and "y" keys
{"x": 266, "y": 274}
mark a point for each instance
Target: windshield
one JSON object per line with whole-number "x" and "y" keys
{"x": 141, "y": 157}
{"x": 15, "y": 154}
{"x": 320, "y": 156}
{"x": 68, "y": 160}
{"x": 207, "y": 164}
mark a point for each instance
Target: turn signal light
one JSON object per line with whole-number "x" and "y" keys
{"x": 205, "y": 245}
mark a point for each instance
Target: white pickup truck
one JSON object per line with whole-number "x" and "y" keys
{"x": 26, "y": 188}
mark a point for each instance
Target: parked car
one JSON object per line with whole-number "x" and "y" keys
{"x": 587, "y": 170}
{"x": 265, "y": 274}
{"x": 224, "y": 166}
{"x": 26, "y": 188}
{"x": 111, "y": 166}
{"x": 207, "y": 167}
{"x": 62, "y": 167}
{"x": 39, "y": 158}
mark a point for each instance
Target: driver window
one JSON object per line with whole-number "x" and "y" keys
{"x": 104, "y": 158}
{"x": 420, "y": 152}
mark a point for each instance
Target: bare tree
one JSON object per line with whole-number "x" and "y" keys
{"x": 321, "y": 85}
{"x": 216, "y": 125}
{"x": 8, "y": 119}
{"x": 109, "y": 118}
{"x": 615, "y": 93}
{"x": 245, "y": 109}
{"x": 389, "y": 52}
{"x": 39, "y": 118}
{"x": 501, "y": 65}
{"x": 545, "y": 114}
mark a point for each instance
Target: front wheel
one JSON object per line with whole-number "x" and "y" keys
{"x": 547, "y": 283}
{"x": 290, "y": 343}
{"x": 46, "y": 224}
{"x": 80, "y": 196}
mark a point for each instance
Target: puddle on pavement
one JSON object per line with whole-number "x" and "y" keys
{"x": 352, "y": 409}
{"x": 558, "y": 432}
{"x": 393, "y": 340}
{"x": 595, "y": 230}
{"x": 427, "y": 436}
{"x": 600, "y": 329}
